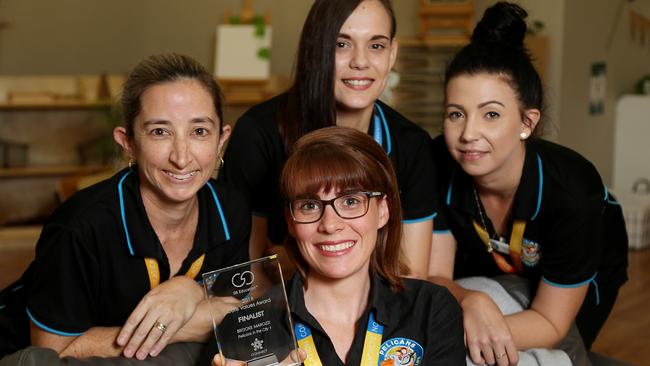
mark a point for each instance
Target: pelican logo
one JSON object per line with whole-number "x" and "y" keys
{"x": 242, "y": 279}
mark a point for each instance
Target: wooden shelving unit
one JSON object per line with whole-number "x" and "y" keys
{"x": 421, "y": 65}
{"x": 51, "y": 171}
{"x": 57, "y": 105}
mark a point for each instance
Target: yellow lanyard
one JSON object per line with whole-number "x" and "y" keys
{"x": 516, "y": 239}
{"x": 371, "y": 344}
{"x": 154, "y": 271}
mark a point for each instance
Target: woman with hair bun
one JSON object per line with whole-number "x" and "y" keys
{"x": 519, "y": 206}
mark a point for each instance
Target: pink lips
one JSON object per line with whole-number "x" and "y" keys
{"x": 335, "y": 248}
{"x": 472, "y": 155}
{"x": 358, "y": 83}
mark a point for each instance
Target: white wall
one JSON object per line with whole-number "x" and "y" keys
{"x": 586, "y": 32}
{"x": 86, "y": 37}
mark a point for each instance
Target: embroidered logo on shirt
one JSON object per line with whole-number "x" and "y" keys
{"x": 400, "y": 352}
{"x": 531, "y": 252}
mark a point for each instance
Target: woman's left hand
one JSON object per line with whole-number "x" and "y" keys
{"x": 487, "y": 335}
{"x": 158, "y": 316}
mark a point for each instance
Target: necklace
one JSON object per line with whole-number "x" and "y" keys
{"x": 489, "y": 246}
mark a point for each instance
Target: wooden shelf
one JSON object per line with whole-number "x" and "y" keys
{"x": 451, "y": 41}
{"x": 53, "y": 106}
{"x": 51, "y": 171}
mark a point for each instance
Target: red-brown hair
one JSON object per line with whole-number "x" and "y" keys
{"x": 343, "y": 158}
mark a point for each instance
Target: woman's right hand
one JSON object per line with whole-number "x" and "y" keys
{"x": 487, "y": 335}
{"x": 219, "y": 361}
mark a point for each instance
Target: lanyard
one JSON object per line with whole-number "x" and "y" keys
{"x": 154, "y": 271}
{"x": 516, "y": 238}
{"x": 151, "y": 263}
{"x": 371, "y": 343}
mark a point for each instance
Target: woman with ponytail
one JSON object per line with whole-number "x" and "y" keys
{"x": 516, "y": 207}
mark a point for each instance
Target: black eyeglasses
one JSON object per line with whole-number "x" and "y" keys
{"x": 347, "y": 206}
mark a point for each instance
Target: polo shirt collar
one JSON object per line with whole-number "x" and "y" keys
{"x": 379, "y": 302}
{"x": 141, "y": 239}
{"x": 378, "y": 128}
{"x": 531, "y": 185}
{"x": 460, "y": 192}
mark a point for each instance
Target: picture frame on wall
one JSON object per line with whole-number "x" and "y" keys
{"x": 242, "y": 53}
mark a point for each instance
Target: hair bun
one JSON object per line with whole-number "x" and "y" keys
{"x": 502, "y": 23}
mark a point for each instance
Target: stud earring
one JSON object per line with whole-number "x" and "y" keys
{"x": 523, "y": 135}
{"x": 217, "y": 168}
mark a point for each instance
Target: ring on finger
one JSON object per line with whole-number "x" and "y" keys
{"x": 160, "y": 326}
{"x": 500, "y": 356}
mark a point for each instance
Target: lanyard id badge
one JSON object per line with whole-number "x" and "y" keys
{"x": 371, "y": 343}
{"x": 514, "y": 248}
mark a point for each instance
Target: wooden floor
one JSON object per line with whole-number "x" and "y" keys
{"x": 625, "y": 336}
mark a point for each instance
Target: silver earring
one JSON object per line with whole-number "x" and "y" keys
{"x": 131, "y": 163}
{"x": 218, "y": 168}
{"x": 523, "y": 135}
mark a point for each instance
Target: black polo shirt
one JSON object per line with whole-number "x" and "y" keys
{"x": 89, "y": 268}
{"x": 574, "y": 232}
{"x": 256, "y": 154}
{"x": 423, "y": 323}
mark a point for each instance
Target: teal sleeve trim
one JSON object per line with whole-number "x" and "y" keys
{"x": 17, "y": 288}
{"x": 422, "y": 219}
{"x": 442, "y": 231}
{"x": 48, "y": 329}
{"x": 609, "y": 198}
{"x": 570, "y": 285}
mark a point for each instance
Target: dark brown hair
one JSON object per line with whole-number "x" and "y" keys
{"x": 343, "y": 158}
{"x": 310, "y": 104}
{"x": 497, "y": 48}
{"x": 160, "y": 69}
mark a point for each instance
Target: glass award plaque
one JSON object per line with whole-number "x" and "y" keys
{"x": 250, "y": 314}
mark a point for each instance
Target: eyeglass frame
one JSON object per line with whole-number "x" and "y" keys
{"x": 330, "y": 202}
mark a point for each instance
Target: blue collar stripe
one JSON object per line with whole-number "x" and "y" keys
{"x": 385, "y": 125}
{"x": 121, "y": 194}
{"x": 540, "y": 187}
{"x": 376, "y": 130}
{"x": 223, "y": 219}
{"x": 449, "y": 189}
{"x": 48, "y": 329}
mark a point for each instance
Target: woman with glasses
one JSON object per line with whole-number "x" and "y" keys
{"x": 344, "y": 216}
{"x": 346, "y": 51}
